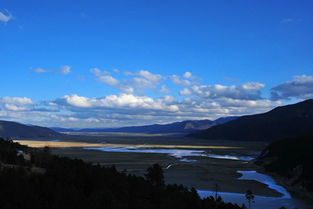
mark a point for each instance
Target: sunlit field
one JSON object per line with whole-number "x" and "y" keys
{"x": 60, "y": 144}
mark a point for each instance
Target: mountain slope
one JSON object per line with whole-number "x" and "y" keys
{"x": 10, "y": 129}
{"x": 177, "y": 127}
{"x": 276, "y": 124}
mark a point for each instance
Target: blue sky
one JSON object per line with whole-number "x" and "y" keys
{"x": 116, "y": 63}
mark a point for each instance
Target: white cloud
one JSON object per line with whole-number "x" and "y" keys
{"x": 16, "y": 100}
{"x": 188, "y": 75}
{"x": 124, "y": 109}
{"x": 178, "y": 81}
{"x": 64, "y": 70}
{"x": 13, "y": 107}
{"x": 149, "y": 76}
{"x": 253, "y": 86}
{"x": 164, "y": 89}
{"x": 98, "y": 72}
{"x": 185, "y": 91}
{"x": 107, "y": 79}
{"x": 140, "y": 80}
{"x": 122, "y": 101}
{"x": 301, "y": 87}
{"x": 132, "y": 106}
{"x": 40, "y": 70}
{"x": 247, "y": 91}
{"x": 5, "y": 18}
{"x": 145, "y": 79}
{"x": 77, "y": 101}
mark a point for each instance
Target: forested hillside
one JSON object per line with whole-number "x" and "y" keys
{"x": 291, "y": 158}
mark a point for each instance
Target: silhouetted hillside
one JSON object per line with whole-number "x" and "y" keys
{"x": 10, "y": 129}
{"x": 292, "y": 158}
{"x": 185, "y": 127}
{"x": 276, "y": 124}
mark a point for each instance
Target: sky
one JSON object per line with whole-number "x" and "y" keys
{"x": 114, "y": 63}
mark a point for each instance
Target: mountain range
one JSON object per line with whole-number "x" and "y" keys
{"x": 281, "y": 122}
{"x": 183, "y": 127}
{"x": 9, "y": 129}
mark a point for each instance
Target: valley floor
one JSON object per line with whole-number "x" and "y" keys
{"x": 210, "y": 163}
{"x": 200, "y": 172}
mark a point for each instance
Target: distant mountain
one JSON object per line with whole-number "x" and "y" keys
{"x": 291, "y": 158}
{"x": 276, "y": 124}
{"x": 10, "y": 129}
{"x": 183, "y": 127}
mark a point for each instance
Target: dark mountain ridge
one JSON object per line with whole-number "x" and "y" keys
{"x": 183, "y": 127}
{"x": 9, "y": 129}
{"x": 276, "y": 124}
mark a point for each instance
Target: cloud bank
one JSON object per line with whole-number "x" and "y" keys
{"x": 300, "y": 87}
{"x": 185, "y": 99}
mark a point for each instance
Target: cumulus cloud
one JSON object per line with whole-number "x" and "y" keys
{"x": 122, "y": 101}
{"x": 78, "y": 101}
{"x": 5, "y": 17}
{"x": 107, "y": 79}
{"x": 143, "y": 79}
{"x": 164, "y": 89}
{"x": 124, "y": 109}
{"x": 185, "y": 91}
{"x": 187, "y": 75}
{"x": 140, "y": 80}
{"x": 178, "y": 81}
{"x": 13, "y": 107}
{"x": 15, "y": 103}
{"x": 300, "y": 87}
{"x": 16, "y": 100}
{"x": 64, "y": 70}
{"x": 247, "y": 91}
{"x": 188, "y": 100}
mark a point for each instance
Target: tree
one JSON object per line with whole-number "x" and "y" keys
{"x": 249, "y": 197}
{"x": 155, "y": 175}
{"x": 216, "y": 187}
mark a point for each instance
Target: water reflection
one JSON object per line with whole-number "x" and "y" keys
{"x": 265, "y": 179}
{"x": 178, "y": 153}
{"x": 260, "y": 202}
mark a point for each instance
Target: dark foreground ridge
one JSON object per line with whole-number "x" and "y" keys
{"x": 292, "y": 159}
{"x": 32, "y": 178}
{"x": 276, "y": 124}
